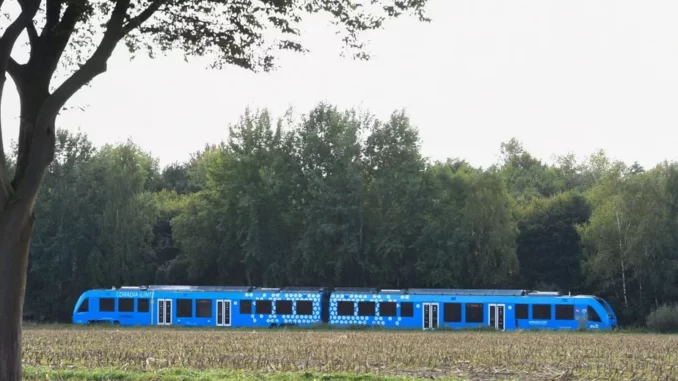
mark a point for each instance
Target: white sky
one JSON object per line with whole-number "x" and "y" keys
{"x": 561, "y": 76}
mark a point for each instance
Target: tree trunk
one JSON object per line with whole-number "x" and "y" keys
{"x": 621, "y": 257}
{"x": 16, "y": 226}
{"x": 640, "y": 290}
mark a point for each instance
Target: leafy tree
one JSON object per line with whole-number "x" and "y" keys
{"x": 490, "y": 230}
{"x": 442, "y": 243}
{"x": 341, "y": 199}
{"x": 526, "y": 177}
{"x": 332, "y": 245}
{"x": 549, "y": 247}
{"x": 624, "y": 204}
{"x": 123, "y": 177}
{"x": 66, "y": 232}
{"x": 199, "y": 229}
{"x": 70, "y": 39}
{"x": 168, "y": 205}
{"x": 248, "y": 202}
{"x": 395, "y": 197}
{"x": 468, "y": 238}
{"x": 175, "y": 178}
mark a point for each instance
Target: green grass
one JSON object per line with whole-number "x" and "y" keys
{"x": 176, "y": 374}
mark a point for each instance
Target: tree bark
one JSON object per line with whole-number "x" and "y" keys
{"x": 621, "y": 257}
{"x": 36, "y": 144}
{"x": 16, "y": 226}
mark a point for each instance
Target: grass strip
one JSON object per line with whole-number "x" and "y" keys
{"x": 178, "y": 374}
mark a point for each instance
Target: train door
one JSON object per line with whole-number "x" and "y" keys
{"x": 430, "y": 315}
{"x": 223, "y": 313}
{"x": 164, "y": 311}
{"x": 496, "y": 316}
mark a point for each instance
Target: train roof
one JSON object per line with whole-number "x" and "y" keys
{"x": 468, "y": 292}
{"x": 357, "y": 290}
{"x": 353, "y": 290}
{"x": 305, "y": 289}
{"x": 182, "y": 288}
{"x": 185, "y": 288}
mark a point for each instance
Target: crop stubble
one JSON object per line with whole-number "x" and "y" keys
{"x": 478, "y": 355}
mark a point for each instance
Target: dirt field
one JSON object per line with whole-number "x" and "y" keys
{"x": 455, "y": 355}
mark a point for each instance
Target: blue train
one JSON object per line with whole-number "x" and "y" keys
{"x": 216, "y": 306}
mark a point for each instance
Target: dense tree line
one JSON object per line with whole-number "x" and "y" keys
{"x": 343, "y": 199}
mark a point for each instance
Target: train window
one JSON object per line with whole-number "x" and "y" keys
{"x": 283, "y": 307}
{"x": 474, "y": 313}
{"x": 264, "y": 307}
{"x": 367, "y": 308}
{"x": 125, "y": 305}
{"x": 245, "y": 307}
{"x": 406, "y": 309}
{"x": 184, "y": 308}
{"x": 521, "y": 311}
{"x": 345, "y": 309}
{"x": 387, "y": 309}
{"x": 84, "y": 307}
{"x": 593, "y": 315}
{"x": 564, "y": 312}
{"x": 203, "y": 308}
{"x": 304, "y": 307}
{"x": 142, "y": 305}
{"x": 107, "y": 305}
{"x": 541, "y": 311}
{"x": 452, "y": 312}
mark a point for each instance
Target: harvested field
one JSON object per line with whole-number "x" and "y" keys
{"x": 465, "y": 355}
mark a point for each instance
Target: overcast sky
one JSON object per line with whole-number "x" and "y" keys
{"x": 561, "y": 76}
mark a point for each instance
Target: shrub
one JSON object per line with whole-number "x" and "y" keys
{"x": 664, "y": 319}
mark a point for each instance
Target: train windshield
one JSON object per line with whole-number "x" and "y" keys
{"x": 606, "y": 306}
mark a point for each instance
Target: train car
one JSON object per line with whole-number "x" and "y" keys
{"x": 274, "y": 307}
{"x": 458, "y": 309}
{"x": 343, "y": 307}
{"x": 201, "y": 306}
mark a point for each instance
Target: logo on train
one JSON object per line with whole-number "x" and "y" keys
{"x": 132, "y": 294}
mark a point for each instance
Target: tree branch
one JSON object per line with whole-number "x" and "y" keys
{"x": 62, "y": 31}
{"x": 32, "y": 33}
{"x": 44, "y": 59}
{"x": 15, "y": 70}
{"x": 94, "y": 66}
{"x": 43, "y": 139}
{"x": 7, "y": 41}
{"x": 142, "y": 17}
{"x": 53, "y": 13}
{"x": 4, "y": 191}
{"x": 9, "y": 38}
{"x": 5, "y": 188}
{"x": 55, "y": 38}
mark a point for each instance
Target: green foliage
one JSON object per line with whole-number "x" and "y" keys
{"x": 96, "y": 213}
{"x": 664, "y": 319}
{"x": 549, "y": 246}
{"x": 526, "y": 176}
{"x": 247, "y": 34}
{"x": 339, "y": 198}
{"x": 631, "y": 236}
{"x": 395, "y": 171}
